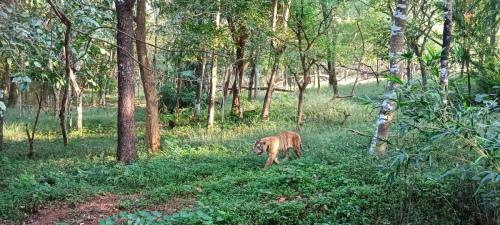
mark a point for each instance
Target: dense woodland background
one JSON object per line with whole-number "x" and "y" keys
{"x": 145, "y": 112}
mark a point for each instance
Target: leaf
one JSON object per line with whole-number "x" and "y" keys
{"x": 37, "y": 64}
{"x": 393, "y": 79}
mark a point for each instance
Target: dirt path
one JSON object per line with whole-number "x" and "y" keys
{"x": 98, "y": 208}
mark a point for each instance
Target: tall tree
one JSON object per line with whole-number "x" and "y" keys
{"x": 278, "y": 48}
{"x": 126, "y": 152}
{"x": 202, "y": 61}
{"x": 443, "y": 73}
{"x": 331, "y": 63}
{"x": 213, "y": 74}
{"x": 148, "y": 80}
{"x": 389, "y": 105}
{"x": 240, "y": 36}
{"x": 70, "y": 76}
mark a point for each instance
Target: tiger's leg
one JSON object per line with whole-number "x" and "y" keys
{"x": 297, "y": 149}
{"x": 270, "y": 160}
{"x": 286, "y": 155}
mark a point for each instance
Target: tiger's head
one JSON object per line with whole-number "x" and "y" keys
{"x": 258, "y": 147}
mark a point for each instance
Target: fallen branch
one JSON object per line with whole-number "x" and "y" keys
{"x": 264, "y": 88}
{"x": 367, "y": 135}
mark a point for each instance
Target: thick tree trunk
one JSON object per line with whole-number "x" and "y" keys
{"x": 213, "y": 74}
{"x": 202, "y": 61}
{"x": 388, "y": 107}
{"x": 148, "y": 80}
{"x": 126, "y": 152}
{"x": 443, "y": 73}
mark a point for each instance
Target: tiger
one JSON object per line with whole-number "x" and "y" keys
{"x": 273, "y": 145}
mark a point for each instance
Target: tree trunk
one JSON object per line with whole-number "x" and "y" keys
{"x": 79, "y": 110}
{"x": 199, "y": 86}
{"x": 270, "y": 89}
{"x": 178, "y": 97}
{"x": 126, "y": 152}
{"x": 13, "y": 94}
{"x": 148, "y": 80}
{"x": 388, "y": 107}
{"x": 332, "y": 76}
{"x": 256, "y": 82}
{"x": 6, "y": 78}
{"x": 443, "y": 73}
{"x": 408, "y": 70}
{"x": 300, "y": 108}
{"x": 1, "y": 120}
{"x": 277, "y": 51}
{"x": 253, "y": 76}
{"x": 225, "y": 88}
{"x": 56, "y": 92}
{"x": 238, "y": 78}
{"x": 213, "y": 74}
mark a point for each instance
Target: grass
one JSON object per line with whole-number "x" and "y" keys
{"x": 334, "y": 183}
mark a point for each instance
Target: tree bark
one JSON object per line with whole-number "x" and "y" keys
{"x": 443, "y": 73}
{"x": 300, "y": 108}
{"x": 240, "y": 36}
{"x": 70, "y": 76}
{"x": 202, "y": 61}
{"x": 213, "y": 74}
{"x": 388, "y": 107}
{"x": 270, "y": 90}
{"x": 13, "y": 94}
{"x": 126, "y": 152}
{"x": 148, "y": 80}
{"x": 332, "y": 76}
{"x": 277, "y": 51}
{"x": 1, "y": 120}
{"x": 253, "y": 76}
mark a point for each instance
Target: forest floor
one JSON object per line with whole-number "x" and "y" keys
{"x": 202, "y": 177}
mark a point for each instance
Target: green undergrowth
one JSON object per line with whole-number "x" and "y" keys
{"x": 335, "y": 182}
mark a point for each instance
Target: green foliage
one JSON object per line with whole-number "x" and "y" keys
{"x": 464, "y": 142}
{"x": 489, "y": 77}
{"x": 187, "y": 95}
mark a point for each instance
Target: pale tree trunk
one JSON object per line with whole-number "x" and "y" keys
{"x": 199, "y": 85}
{"x": 277, "y": 51}
{"x": 388, "y": 107}
{"x": 256, "y": 82}
{"x": 213, "y": 74}
{"x": 443, "y": 73}
{"x": 126, "y": 152}
{"x": 148, "y": 80}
